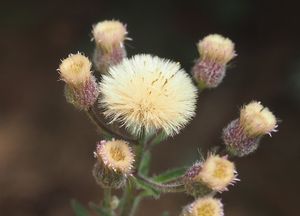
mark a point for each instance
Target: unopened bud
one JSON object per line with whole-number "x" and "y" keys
{"x": 214, "y": 174}
{"x": 242, "y": 135}
{"x": 206, "y": 206}
{"x": 192, "y": 186}
{"x": 215, "y": 52}
{"x": 81, "y": 88}
{"x": 109, "y": 37}
{"x": 257, "y": 120}
{"x": 115, "y": 163}
{"x": 75, "y": 70}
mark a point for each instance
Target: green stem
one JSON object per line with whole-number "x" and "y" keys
{"x": 127, "y": 200}
{"x": 107, "y": 198}
{"x": 136, "y": 204}
{"x": 177, "y": 187}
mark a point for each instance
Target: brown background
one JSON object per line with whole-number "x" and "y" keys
{"x": 46, "y": 146}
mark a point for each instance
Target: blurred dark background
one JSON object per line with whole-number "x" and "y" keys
{"x": 46, "y": 145}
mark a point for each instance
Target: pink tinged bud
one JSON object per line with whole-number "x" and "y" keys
{"x": 104, "y": 60}
{"x": 215, "y": 52}
{"x": 208, "y": 74}
{"x": 242, "y": 135}
{"x": 192, "y": 187}
{"x": 109, "y": 37}
{"x": 83, "y": 96}
{"x": 238, "y": 143}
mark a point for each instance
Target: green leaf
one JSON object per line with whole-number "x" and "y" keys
{"x": 159, "y": 138}
{"x": 145, "y": 164}
{"x": 150, "y": 191}
{"x": 79, "y": 209}
{"x": 170, "y": 175}
{"x": 99, "y": 210}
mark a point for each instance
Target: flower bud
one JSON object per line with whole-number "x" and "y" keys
{"x": 81, "y": 88}
{"x": 215, "y": 52}
{"x": 115, "y": 163}
{"x": 242, "y": 135}
{"x": 214, "y": 174}
{"x": 206, "y": 206}
{"x": 257, "y": 120}
{"x": 109, "y": 37}
{"x": 192, "y": 186}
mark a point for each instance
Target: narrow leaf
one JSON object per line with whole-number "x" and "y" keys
{"x": 99, "y": 210}
{"x": 158, "y": 139}
{"x": 147, "y": 188}
{"x": 79, "y": 209}
{"x": 145, "y": 164}
{"x": 170, "y": 175}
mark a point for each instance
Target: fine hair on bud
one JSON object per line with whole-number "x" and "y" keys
{"x": 115, "y": 163}
{"x": 75, "y": 70}
{"x": 147, "y": 94}
{"x": 257, "y": 120}
{"x": 242, "y": 135}
{"x": 81, "y": 87}
{"x": 109, "y": 38}
{"x": 215, "y": 52}
{"x": 216, "y": 173}
{"x": 109, "y": 34}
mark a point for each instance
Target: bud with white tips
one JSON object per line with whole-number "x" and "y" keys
{"x": 215, "y": 52}
{"x": 81, "y": 88}
{"x": 115, "y": 163}
{"x": 109, "y": 38}
{"x": 213, "y": 174}
{"x": 242, "y": 135}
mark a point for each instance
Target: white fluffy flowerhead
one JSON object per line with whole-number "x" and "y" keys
{"x": 146, "y": 94}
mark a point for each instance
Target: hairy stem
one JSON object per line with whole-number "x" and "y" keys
{"x": 165, "y": 188}
{"x": 127, "y": 200}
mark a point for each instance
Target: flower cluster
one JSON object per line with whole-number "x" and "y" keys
{"x": 138, "y": 101}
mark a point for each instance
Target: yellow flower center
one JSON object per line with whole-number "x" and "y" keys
{"x": 206, "y": 210}
{"x": 117, "y": 154}
{"x": 220, "y": 170}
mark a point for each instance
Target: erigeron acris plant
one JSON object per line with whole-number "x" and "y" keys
{"x": 137, "y": 103}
